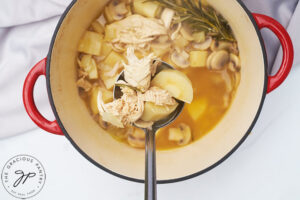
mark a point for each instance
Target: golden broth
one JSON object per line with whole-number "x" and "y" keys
{"x": 210, "y": 88}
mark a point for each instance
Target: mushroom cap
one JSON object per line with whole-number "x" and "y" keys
{"x": 180, "y": 58}
{"x": 117, "y": 9}
{"x": 203, "y": 45}
{"x": 234, "y": 63}
{"x": 218, "y": 60}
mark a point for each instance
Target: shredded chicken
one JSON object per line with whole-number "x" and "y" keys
{"x": 128, "y": 109}
{"x": 135, "y": 88}
{"x": 136, "y": 29}
{"x": 158, "y": 96}
{"x": 138, "y": 71}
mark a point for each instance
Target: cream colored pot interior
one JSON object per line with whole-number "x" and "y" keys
{"x": 172, "y": 164}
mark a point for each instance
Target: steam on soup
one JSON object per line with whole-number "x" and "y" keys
{"x": 189, "y": 35}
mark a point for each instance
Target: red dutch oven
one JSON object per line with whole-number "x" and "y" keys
{"x": 74, "y": 121}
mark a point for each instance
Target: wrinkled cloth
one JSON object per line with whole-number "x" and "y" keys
{"x": 26, "y": 28}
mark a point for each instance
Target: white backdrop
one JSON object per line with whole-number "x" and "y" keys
{"x": 266, "y": 166}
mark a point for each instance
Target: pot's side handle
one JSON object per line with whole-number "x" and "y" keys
{"x": 264, "y": 21}
{"x": 28, "y": 100}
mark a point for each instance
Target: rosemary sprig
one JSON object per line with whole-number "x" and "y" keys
{"x": 200, "y": 18}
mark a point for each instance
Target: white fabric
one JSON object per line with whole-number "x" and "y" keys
{"x": 26, "y": 28}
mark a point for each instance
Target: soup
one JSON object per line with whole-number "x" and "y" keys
{"x": 206, "y": 52}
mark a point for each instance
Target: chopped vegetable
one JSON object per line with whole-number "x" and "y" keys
{"x": 89, "y": 65}
{"x": 197, "y": 108}
{"x": 199, "y": 36}
{"x": 176, "y": 83}
{"x": 97, "y": 27}
{"x": 106, "y": 49}
{"x": 113, "y": 58}
{"x": 110, "y": 32}
{"x": 154, "y": 112}
{"x": 198, "y": 58}
{"x": 90, "y": 43}
{"x": 147, "y": 9}
{"x": 107, "y": 96}
{"x": 181, "y": 134}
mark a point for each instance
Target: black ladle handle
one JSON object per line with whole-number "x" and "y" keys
{"x": 150, "y": 163}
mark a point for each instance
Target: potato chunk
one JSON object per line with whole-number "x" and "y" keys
{"x": 197, "y": 108}
{"x": 97, "y": 27}
{"x": 176, "y": 83}
{"x": 89, "y": 65}
{"x": 113, "y": 58}
{"x": 147, "y": 9}
{"x": 198, "y": 58}
{"x": 90, "y": 43}
{"x": 154, "y": 112}
{"x": 107, "y": 96}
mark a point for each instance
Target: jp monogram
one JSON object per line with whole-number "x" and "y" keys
{"x": 23, "y": 176}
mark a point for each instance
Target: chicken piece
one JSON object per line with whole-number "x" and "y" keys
{"x": 136, "y": 29}
{"x": 84, "y": 84}
{"x": 126, "y": 110}
{"x": 158, "y": 96}
{"x": 138, "y": 71}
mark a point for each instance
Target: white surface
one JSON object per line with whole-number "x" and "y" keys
{"x": 266, "y": 166}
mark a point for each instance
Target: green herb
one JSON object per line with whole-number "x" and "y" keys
{"x": 200, "y": 18}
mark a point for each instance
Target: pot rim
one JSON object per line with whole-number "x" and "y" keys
{"x": 167, "y": 180}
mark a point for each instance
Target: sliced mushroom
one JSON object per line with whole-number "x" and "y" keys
{"x": 217, "y": 45}
{"x": 142, "y": 124}
{"x": 203, "y": 45}
{"x": 161, "y": 45}
{"x": 237, "y": 79}
{"x": 234, "y": 63}
{"x": 180, "y": 58}
{"x": 167, "y": 16}
{"x": 136, "y": 138}
{"x": 182, "y": 134}
{"x": 217, "y": 60}
{"x": 186, "y": 33}
{"x": 117, "y": 9}
{"x": 175, "y": 31}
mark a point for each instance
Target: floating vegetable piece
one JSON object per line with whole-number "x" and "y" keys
{"x": 199, "y": 36}
{"x": 186, "y": 33}
{"x": 89, "y": 65}
{"x": 113, "y": 58}
{"x": 181, "y": 59}
{"x": 217, "y": 60}
{"x": 197, "y": 108}
{"x": 203, "y": 45}
{"x": 90, "y": 43}
{"x": 176, "y": 83}
{"x": 167, "y": 16}
{"x": 182, "y": 135}
{"x": 117, "y": 9}
{"x": 234, "y": 63}
{"x": 136, "y": 138}
{"x": 147, "y": 9}
{"x": 107, "y": 96}
{"x": 180, "y": 42}
{"x": 154, "y": 112}
{"x": 97, "y": 27}
{"x": 198, "y": 58}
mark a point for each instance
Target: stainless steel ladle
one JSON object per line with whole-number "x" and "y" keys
{"x": 150, "y": 160}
